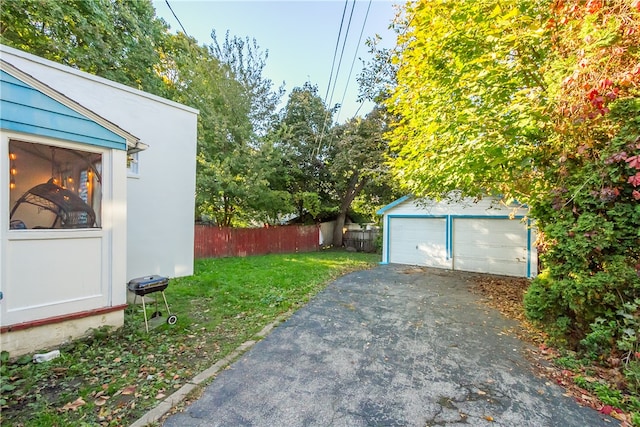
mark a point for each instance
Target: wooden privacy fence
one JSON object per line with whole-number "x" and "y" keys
{"x": 217, "y": 242}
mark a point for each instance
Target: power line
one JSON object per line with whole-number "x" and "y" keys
{"x": 326, "y": 95}
{"x": 335, "y": 52}
{"x": 335, "y": 80}
{"x": 177, "y": 19}
{"x": 355, "y": 55}
{"x": 344, "y": 44}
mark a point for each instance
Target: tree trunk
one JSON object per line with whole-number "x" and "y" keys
{"x": 337, "y": 231}
{"x": 353, "y": 189}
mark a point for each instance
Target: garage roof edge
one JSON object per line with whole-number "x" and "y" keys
{"x": 393, "y": 204}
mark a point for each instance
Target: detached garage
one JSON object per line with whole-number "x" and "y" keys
{"x": 484, "y": 236}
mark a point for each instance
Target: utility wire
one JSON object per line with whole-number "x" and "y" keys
{"x": 355, "y": 55}
{"x": 335, "y": 80}
{"x": 177, "y": 19}
{"x": 335, "y": 52}
{"x": 344, "y": 44}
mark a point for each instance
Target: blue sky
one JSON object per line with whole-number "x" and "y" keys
{"x": 300, "y": 36}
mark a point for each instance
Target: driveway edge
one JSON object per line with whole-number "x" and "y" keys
{"x": 171, "y": 401}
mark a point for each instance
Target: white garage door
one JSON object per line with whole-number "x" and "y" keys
{"x": 418, "y": 241}
{"x": 497, "y": 246}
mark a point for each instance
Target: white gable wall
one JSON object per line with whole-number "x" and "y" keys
{"x": 160, "y": 201}
{"x": 469, "y": 235}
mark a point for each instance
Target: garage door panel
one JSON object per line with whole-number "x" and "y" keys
{"x": 418, "y": 241}
{"x": 496, "y": 246}
{"x": 491, "y": 265}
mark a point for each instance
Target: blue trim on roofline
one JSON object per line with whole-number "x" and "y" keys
{"x": 416, "y": 216}
{"x": 455, "y": 216}
{"x": 489, "y": 216}
{"x": 66, "y": 136}
{"x": 393, "y": 204}
{"x": 26, "y": 109}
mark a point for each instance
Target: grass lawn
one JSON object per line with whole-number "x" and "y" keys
{"x": 114, "y": 378}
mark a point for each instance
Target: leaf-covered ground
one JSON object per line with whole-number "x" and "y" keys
{"x": 601, "y": 386}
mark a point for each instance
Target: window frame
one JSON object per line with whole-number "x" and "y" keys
{"x": 106, "y": 159}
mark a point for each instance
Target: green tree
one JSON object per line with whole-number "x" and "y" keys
{"x": 470, "y": 97}
{"x": 377, "y": 79}
{"x": 235, "y": 166}
{"x": 302, "y": 136}
{"x": 115, "y": 39}
{"x": 258, "y": 199}
{"x": 247, "y": 61}
{"x": 224, "y": 160}
{"x": 356, "y": 157}
{"x": 271, "y": 202}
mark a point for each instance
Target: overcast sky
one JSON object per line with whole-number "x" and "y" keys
{"x": 300, "y": 36}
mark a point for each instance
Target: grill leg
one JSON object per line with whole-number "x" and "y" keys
{"x": 144, "y": 310}
{"x": 165, "y": 304}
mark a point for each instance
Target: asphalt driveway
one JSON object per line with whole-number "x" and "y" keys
{"x": 392, "y": 346}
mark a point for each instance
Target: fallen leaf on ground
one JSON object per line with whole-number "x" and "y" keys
{"x": 129, "y": 390}
{"x": 73, "y": 405}
{"x": 104, "y": 413}
{"x": 606, "y": 409}
{"x": 618, "y": 415}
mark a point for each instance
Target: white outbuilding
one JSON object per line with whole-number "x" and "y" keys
{"x": 485, "y": 235}
{"x": 97, "y": 185}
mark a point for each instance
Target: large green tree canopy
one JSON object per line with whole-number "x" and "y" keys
{"x": 115, "y": 39}
{"x": 490, "y": 94}
{"x": 469, "y": 97}
{"x": 356, "y": 159}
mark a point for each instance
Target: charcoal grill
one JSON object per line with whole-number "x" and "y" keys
{"x": 147, "y": 285}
